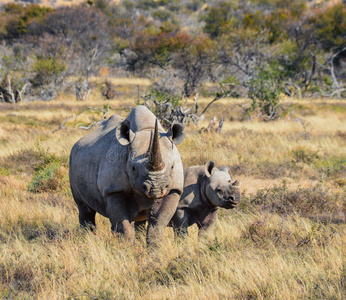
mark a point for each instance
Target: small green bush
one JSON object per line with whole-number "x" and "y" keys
{"x": 46, "y": 179}
{"x": 5, "y": 171}
{"x": 331, "y": 166}
{"x": 264, "y": 90}
{"x": 48, "y": 175}
{"x": 305, "y": 155}
{"x": 46, "y": 71}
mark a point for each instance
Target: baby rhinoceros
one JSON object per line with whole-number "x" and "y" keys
{"x": 205, "y": 189}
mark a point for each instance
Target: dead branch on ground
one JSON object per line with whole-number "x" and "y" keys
{"x": 93, "y": 124}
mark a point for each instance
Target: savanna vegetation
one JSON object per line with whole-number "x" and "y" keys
{"x": 261, "y": 48}
{"x": 274, "y": 73}
{"x": 285, "y": 240}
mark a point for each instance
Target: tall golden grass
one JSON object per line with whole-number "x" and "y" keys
{"x": 254, "y": 252}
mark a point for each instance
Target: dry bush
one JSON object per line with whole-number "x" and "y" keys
{"x": 22, "y": 161}
{"x": 315, "y": 202}
{"x": 109, "y": 91}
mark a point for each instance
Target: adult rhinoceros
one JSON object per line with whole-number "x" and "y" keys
{"x": 128, "y": 170}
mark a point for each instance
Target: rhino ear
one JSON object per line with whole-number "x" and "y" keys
{"x": 124, "y": 134}
{"x": 209, "y": 166}
{"x": 176, "y": 133}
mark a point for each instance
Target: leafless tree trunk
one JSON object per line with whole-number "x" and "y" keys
{"x": 9, "y": 94}
{"x": 336, "y": 84}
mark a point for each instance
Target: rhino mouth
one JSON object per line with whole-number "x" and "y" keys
{"x": 230, "y": 203}
{"x": 155, "y": 193}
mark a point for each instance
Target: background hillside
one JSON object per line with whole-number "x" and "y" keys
{"x": 292, "y": 47}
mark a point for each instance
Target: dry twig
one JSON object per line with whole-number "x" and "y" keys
{"x": 82, "y": 126}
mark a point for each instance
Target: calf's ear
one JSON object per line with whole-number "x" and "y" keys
{"x": 176, "y": 133}
{"x": 209, "y": 166}
{"x": 124, "y": 134}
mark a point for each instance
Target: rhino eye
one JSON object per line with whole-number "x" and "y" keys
{"x": 133, "y": 168}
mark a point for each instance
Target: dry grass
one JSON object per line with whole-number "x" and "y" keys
{"x": 285, "y": 241}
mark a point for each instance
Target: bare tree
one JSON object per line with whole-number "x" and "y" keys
{"x": 242, "y": 53}
{"x": 193, "y": 60}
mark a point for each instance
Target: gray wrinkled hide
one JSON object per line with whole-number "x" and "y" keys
{"x": 110, "y": 177}
{"x": 205, "y": 189}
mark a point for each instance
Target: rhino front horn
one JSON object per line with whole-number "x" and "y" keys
{"x": 155, "y": 162}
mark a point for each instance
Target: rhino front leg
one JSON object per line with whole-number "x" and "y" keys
{"x": 207, "y": 224}
{"x": 160, "y": 215}
{"x": 119, "y": 215}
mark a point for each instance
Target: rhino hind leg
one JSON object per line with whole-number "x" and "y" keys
{"x": 86, "y": 216}
{"x": 118, "y": 214}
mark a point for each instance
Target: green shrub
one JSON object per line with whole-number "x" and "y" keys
{"x": 5, "y": 171}
{"x": 13, "y": 8}
{"x": 46, "y": 178}
{"x": 163, "y": 15}
{"x": 331, "y": 166}
{"x": 46, "y": 70}
{"x": 49, "y": 173}
{"x": 326, "y": 165}
{"x": 330, "y": 26}
{"x": 264, "y": 91}
{"x": 305, "y": 155}
{"x": 218, "y": 17}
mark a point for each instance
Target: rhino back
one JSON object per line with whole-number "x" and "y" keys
{"x": 85, "y": 160}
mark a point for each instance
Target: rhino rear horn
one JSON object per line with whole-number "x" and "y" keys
{"x": 155, "y": 162}
{"x": 176, "y": 133}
